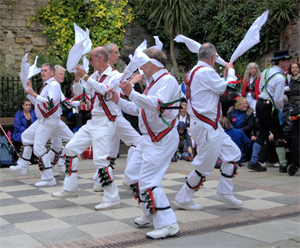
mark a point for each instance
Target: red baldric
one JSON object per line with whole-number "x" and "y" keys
{"x": 155, "y": 138}
{"x": 46, "y": 115}
{"x": 199, "y": 116}
{"x": 104, "y": 106}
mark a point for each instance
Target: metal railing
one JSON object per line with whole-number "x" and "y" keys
{"x": 12, "y": 94}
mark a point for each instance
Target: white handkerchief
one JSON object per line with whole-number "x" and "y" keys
{"x": 85, "y": 63}
{"x": 24, "y": 71}
{"x": 251, "y": 38}
{"x": 33, "y": 70}
{"x": 75, "y": 55}
{"x": 142, "y": 46}
{"x": 158, "y": 43}
{"x": 82, "y": 46}
{"x": 81, "y": 35}
{"x": 194, "y": 46}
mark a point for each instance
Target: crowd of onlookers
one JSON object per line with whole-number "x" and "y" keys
{"x": 240, "y": 122}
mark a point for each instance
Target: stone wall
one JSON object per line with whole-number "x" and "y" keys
{"x": 16, "y": 38}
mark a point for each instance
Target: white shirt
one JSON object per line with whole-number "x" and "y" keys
{"x": 166, "y": 90}
{"x": 92, "y": 86}
{"x": 206, "y": 88}
{"x": 182, "y": 118}
{"x": 275, "y": 86}
{"x": 51, "y": 91}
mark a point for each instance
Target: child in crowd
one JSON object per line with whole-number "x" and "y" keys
{"x": 237, "y": 136}
{"x": 184, "y": 150}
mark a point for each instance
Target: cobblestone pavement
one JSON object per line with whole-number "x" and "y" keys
{"x": 30, "y": 217}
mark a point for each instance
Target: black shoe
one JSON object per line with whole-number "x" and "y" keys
{"x": 256, "y": 167}
{"x": 282, "y": 169}
{"x": 174, "y": 159}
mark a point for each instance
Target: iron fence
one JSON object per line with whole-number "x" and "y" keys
{"x": 12, "y": 93}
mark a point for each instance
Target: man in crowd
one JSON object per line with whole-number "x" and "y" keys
{"x": 268, "y": 110}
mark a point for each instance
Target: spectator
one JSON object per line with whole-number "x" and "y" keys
{"x": 268, "y": 152}
{"x": 184, "y": 150}
{"x": 269, "y": 108}
{"x": 24, "y": 117}
{"x": 295, "y": 101}
{"x": 295, "y": 84}
{"x": 251, "y": 81}
{"x": 237, "y": 136}
{"x": 183, "y": 115}
{"x": 80, "y": 115}
{"x": 241, "y": 116}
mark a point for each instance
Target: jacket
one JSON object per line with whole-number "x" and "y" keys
{"x": 20, "y": 124}
{"x": 239, "y": 138}
{"x": 295, "y": 90}
{"x": 248, "y": 120}
{"x": 185, "y": 136}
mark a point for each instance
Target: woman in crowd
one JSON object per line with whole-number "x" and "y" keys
{"x": 183, "y": 115}
{"x": 295, "y": 102}
{"x": 294, "y": 70}
{"x": 251, "y": 81}
{"x": 241, "y": 116}
{"x": 23, "y": 119}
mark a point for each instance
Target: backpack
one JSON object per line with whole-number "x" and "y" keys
{"x": 6, "y": 158}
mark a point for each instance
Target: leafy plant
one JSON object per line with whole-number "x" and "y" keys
{"x": 175, "y": 15}
{"x": 105, "y": 19}
{"x": 282, "y": 12}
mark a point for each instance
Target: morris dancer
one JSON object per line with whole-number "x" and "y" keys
{"x": 150, "y": 160}
{"x": 97, "y": 132}
{"x": 268, "y": 110}
{"x": 47, "y": 109}
{"x": 124, "y": 130}
{"x": 204, "y": 87}
{"x": 62, "y": 132}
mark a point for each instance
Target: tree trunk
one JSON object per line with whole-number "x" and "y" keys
{"x": 281, "y": 39}
{"x": 172, "y": 54}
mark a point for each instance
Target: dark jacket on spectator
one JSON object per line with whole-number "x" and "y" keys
{"x": 20, "y": 124}
{"x": 247, "y": 123}
{"x": 240, "y": 139}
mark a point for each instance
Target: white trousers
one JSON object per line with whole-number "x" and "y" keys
{"x": 211, "y": 144}
{"x": 62, "y": 133}
{"x": 97, "y": 132}
{"x": 38, "y": 134}
{"x": 147, "y": 167}
{"x": 126, "y": 133}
